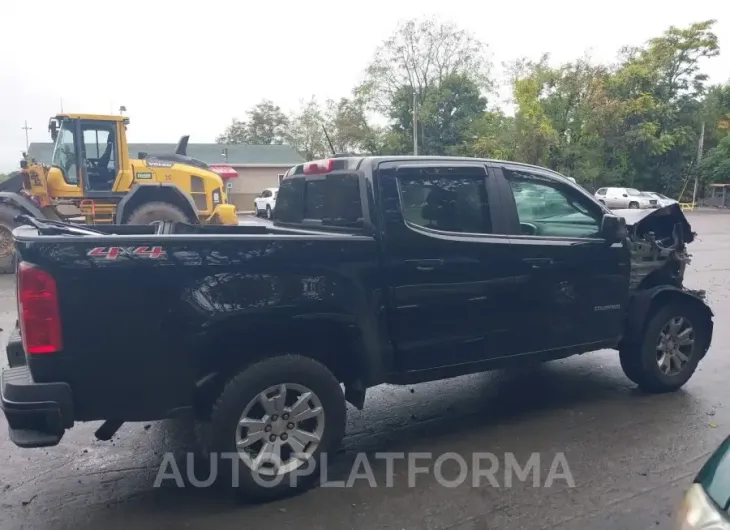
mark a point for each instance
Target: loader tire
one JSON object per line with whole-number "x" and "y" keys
{"x": 157, "y": 211}
{"x": 7, "y": 249}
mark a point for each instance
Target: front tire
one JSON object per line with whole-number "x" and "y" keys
{"x": 273, "y": 409}
{"x": 269, "y": 214}
{"x": 633, "y": 205}
{"x": 7, "y": 249}
{"x": 157, "y": 211}
{"x": 673, "y": 344}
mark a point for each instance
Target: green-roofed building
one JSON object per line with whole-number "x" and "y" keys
{"x": 258, "y": 166}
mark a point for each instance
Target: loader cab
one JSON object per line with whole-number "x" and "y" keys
{"x": 85, "y": 161}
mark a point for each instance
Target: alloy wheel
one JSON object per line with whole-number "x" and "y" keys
{"x": 675, "y": 345}
{"x": 280, "y": 429}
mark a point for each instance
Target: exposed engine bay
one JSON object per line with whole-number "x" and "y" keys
{"x": 658, "y": 241}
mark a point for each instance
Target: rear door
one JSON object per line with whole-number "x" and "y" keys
{"x": 572, "y": 284}
{"x": 446, "y": 261}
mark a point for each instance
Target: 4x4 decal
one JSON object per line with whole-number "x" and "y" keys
{"x": 115, "y": 252}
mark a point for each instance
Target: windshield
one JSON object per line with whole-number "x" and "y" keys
{"x": 64, "y": 152}
{"x": 633, "y": 192}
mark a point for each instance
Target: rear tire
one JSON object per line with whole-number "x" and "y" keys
{"x": 268, "y": 212}
{"x": 156, "y": 211}
{"x": 7, "y": 249}
{"x": 633, "y": 205}
{"x": 640, "y": 362}
{"x": 223, "y": 434}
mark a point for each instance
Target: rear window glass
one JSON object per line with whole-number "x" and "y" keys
{"x": 314, "y": 199}
{"x": 333, "y": 200}
{"x": 290, "y": 201}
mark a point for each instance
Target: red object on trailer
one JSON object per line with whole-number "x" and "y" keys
{"x": 319, "y": 167}
{"x": 225, "y": 172}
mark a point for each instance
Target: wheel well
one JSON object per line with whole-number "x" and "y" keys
{"x": 146, "y": 194}
{"x": 638, "y": 321}
{"x": 672, "y": 296}
{"x": 333, "y": 343}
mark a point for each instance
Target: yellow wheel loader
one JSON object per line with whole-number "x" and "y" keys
{"x": 92, "y": 178}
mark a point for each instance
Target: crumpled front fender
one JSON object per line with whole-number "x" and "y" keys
{"x": 645, "y": 302}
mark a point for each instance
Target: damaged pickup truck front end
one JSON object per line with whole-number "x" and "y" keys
{"x": 658, "y": 241}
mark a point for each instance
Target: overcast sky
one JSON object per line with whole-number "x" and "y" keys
{"x": 190, "y": 67}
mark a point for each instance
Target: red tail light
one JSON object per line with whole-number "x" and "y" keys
{"x": 40, "y": 320}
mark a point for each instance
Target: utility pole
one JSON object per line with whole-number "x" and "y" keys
{"x": 415, "y": 123}
{"x": 699, "y": 159}
{"x": 26, "y": 129}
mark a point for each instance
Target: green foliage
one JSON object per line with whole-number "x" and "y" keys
{"x": 265, "y": 123}
{"x": 636, "y": 122}
{"x": 715, "y": 167}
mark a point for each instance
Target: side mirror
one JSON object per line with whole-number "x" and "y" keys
{"x": 613, "y": 228}
{"x": 625, "y": 195}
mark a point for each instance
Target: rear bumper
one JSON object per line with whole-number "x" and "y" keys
{"x": 38, "y": 413}
{"x": 14, "y": 349}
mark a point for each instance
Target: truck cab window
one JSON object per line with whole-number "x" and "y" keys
{"x": 450, "y": 202}
{"x": 545, "y": 208}
{"x": 99, "y": 156}
{"x": 64, "y": 153}
{"x": 332, "y": 200}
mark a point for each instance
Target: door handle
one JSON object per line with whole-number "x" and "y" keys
{"x": 538, "y": 263}
{"x": 425, "y": 264}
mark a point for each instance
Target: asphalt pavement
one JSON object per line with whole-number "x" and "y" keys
{"x": 630, "y": 455}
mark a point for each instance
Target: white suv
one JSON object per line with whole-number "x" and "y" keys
{"x": 266, "y": 202}
{"x": 621, "y": 198}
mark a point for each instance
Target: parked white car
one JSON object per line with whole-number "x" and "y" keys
{"x": 663, "y": 199}
{"x": 622, "y": 198}
{"x": 265, "y": 203}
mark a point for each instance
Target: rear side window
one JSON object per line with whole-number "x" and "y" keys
{"x": 450, "y": 203}
{"x": 333, "y": 200}
{"x": 602, "y": 191}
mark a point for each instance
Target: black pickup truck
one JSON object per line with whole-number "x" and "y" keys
{"x": 376, "y": 269}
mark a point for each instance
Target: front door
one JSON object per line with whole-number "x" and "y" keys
{"x": 99, "y": 150}
{"x": 572, "y": 284}
{"x": 446, "y": 263}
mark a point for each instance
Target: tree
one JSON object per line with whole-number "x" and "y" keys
{"x": 418, "y": 56}
{"x": 447, "y": 115}
{"x": 305, "y": 131}
{"x": 349, "y": 128}
{"x": 715, "y": 167}
{"x": 659, "y": 87}
{"x": 265, "y": 123}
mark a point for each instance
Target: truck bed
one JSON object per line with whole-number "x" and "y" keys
{"x": 158, "y": 307}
